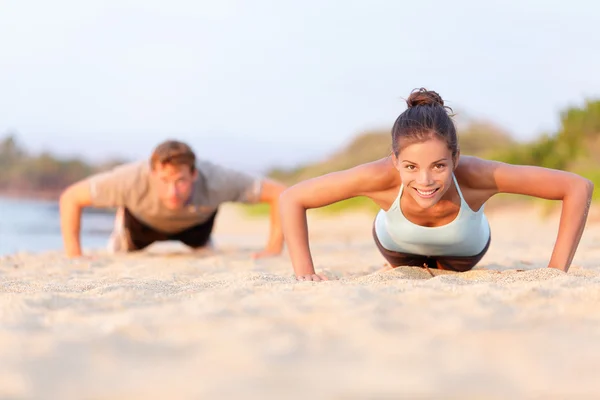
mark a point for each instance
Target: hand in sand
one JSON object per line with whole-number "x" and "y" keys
{"x": 73, "y": 256}
{"x": 77, "y": 255}
{"x": 312, "y": 277}
{"x": 83, "y": 257}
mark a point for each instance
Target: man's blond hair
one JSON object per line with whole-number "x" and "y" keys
{"x": 173, "y": 152}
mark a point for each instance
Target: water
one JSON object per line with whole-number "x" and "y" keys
{"x": 34, "y": 226}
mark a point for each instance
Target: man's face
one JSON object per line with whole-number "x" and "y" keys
{"x": 174, "y": 183}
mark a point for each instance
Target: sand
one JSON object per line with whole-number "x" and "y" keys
{"x": 170, "y": 324}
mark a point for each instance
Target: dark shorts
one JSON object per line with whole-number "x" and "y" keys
{"x": 451, "y": 263}
{"x": 141, "y": 235}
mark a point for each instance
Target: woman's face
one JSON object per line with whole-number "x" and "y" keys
{"x": 426, "y": 170}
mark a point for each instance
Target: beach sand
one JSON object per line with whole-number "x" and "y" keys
{"x": 168, "y": 324}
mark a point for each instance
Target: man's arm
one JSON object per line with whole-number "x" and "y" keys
{"x": 270, "y": 193}
{"x": 72, "y": 201}
{"x": 231, "y": 185}
{"x": 105, "y": 189}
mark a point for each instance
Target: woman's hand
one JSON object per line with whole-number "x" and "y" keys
{"x": 312, "y": 277}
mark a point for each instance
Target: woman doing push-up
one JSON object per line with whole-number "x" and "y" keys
{"x": 431, "y": 198}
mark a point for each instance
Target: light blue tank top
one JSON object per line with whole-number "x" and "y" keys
{"x": 466, "y": 235}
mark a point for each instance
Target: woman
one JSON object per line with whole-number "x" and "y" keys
{"x": 432, "y": 199}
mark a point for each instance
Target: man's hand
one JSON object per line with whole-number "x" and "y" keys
{"x": 266, "y": 253}
{"x": 84, "y": 257}
{"x": 73, "y": 254}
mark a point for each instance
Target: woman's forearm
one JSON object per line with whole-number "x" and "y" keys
{"x": 295, "y": 232}
{"x": 573, "y": 217}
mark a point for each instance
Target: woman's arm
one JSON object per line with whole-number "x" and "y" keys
{"x": 574, "y": 191}
{"x": 365, "y": 180}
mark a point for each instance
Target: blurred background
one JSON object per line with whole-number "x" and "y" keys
{"x": 288, "y": 89}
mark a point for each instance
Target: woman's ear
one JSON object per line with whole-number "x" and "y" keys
{"x": 456, "y": 158}
{"x": 395, "y": 161}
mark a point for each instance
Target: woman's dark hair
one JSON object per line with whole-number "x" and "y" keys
{"x": 425, "y": 118}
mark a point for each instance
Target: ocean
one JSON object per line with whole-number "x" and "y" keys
{"x": 33, "y": 226}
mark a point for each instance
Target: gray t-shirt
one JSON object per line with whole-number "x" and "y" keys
{"x": 131, "y": 186}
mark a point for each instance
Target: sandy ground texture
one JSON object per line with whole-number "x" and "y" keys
{"x": 167, "y": 324}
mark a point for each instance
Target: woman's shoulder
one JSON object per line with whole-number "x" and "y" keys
{"x": 475, "y": 172}
{"x": 381, "y": 174}
{"x": 367, "y": 179}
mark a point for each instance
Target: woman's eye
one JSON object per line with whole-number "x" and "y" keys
{"x": 439, "y": 166}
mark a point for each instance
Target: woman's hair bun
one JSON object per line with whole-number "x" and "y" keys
{"x": 424, "y": 97}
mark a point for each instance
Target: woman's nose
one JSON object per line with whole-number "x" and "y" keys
{"x": 424, "y": 178}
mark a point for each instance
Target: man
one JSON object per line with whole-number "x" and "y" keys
{"x": 174, "y": 196}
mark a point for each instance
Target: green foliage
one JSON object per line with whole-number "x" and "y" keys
{"x": 482, "y": 138}
{"x": 571, "y": 148}
{"x": 356, "y": 203}
{"x": 41, "y": 173}
{"x": 369, "y": 146}
{"x": 594, "y": 176}
{"x": 255, "y": 210}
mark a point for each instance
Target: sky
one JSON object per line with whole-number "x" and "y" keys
{"x": 254, "y": 84}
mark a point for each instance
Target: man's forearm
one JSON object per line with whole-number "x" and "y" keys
{"x": 70, "y": 222}
{"x": 275, "y": 234}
